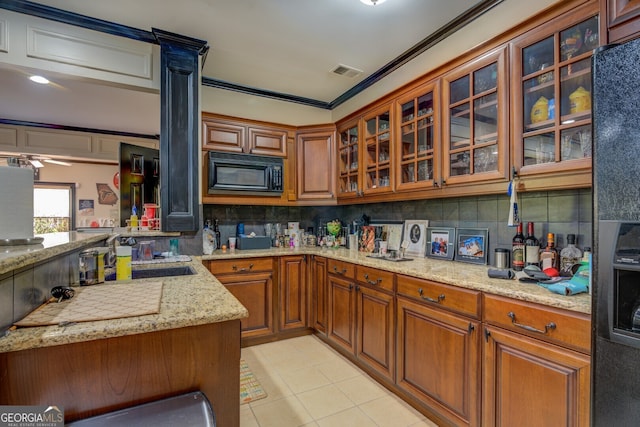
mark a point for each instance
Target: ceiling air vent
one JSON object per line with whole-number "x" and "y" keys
{"x": 345, "y": 70}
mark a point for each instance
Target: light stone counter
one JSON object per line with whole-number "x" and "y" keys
{"x": 15, "y": 257}
{"x": 186, "y": 301}
{"x": 470, "y": 276}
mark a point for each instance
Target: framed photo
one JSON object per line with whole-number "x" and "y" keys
{"x": 391, "y": 231}
{"x": 472, "y": 244}
{"x": 367, "y": 239}
{"x": 415, "y": 233}
{"x": 441, "y": 242}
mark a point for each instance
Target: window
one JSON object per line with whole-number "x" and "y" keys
{"x": 53, "y": 207}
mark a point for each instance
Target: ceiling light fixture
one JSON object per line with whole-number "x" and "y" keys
{"x": 39, "y": 79}
{"x": 36, "y": 163}
{"x": 372, "y": 2}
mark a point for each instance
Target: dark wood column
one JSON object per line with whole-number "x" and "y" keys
{"x": 179, "y": 125}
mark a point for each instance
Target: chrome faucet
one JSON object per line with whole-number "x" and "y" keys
{"x": 111, "y": 244}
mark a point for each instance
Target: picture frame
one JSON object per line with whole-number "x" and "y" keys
{"x": 366, "y": 242}
{"x": 415, "y": 233}
{"x": 392, "y": 230}
{"x": 441, "y": 243}
{"x": 472, "y": 245}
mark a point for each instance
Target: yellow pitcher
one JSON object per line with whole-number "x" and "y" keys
{"x": 580, "y": 100}
{"x": 540, "y": 110}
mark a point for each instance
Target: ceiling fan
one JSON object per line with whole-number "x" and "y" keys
{"x": 31, "y": 160}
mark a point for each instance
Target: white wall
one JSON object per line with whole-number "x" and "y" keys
{"x": 86, "y": 176}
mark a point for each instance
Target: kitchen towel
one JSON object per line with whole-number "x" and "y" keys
{"x": 16, "y": 202}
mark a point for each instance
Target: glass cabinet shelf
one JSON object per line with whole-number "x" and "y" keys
{"x": 377, "y": 156}
{"x": 348, "y": 161}
{"x": 555, "y": 92}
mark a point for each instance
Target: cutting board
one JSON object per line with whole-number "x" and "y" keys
{"x": 99, "y": 302}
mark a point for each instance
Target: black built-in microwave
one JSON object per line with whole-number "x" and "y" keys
{"x": 248, "y": 174}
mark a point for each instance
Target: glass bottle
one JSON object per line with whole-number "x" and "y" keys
{"x": 569, "y": 256}
{"x": 216, "y": 232}
{"x": 517, "y": 249}
{"x": 531, "y": 247}
{"x": 549, "y": 257}
{"x": 208, "y": 239}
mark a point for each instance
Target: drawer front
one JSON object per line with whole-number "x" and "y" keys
{"x": 376, "y": 278}
{"x": 459, "y": 300}
{"x": 340, "y": 268}
{"x": 550, "y": 324}
{"x": 240, "y": 265}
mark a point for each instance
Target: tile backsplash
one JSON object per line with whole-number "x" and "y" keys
{"x": 559, "y": 212}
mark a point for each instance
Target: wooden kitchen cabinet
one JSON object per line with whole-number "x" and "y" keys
{"x": 251, "y": 282}
{"x": 342, "y": 305}
{"x": 531, "y": 383}
{"x": 349, "y": 181}
{"x": 223, "y": 133}
{"x": 439, "y": 357}
{"x": 375, "y": 320}
{"x": 476, "y": 120}
{"x": 536, "y": 366}
{"x": 377, "y": 156}
{"x": 292, "y": 278}
{"x": 315, "y": 164}
{"x": 418, "y": 151}
{"x": 551, "y": 71}
{"x": 318, "y": 288}
{"x": 623, "y": 20}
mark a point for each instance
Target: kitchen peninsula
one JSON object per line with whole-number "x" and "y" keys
{"x": 90, "y": 368}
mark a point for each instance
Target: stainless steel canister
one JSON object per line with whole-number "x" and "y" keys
{"x": 502, "y": 258}
{"x": 89, "y": 267}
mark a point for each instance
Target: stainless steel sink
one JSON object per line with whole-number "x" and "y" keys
{"x": 146, "y": 273}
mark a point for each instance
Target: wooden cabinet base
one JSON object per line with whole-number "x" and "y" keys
{"x": 96, "y": 377}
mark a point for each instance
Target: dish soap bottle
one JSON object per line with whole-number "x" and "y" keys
{"x": 133, "y": 221}
{"x": 208, "y": 239}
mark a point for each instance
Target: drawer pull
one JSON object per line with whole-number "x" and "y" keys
{"x": 235, "y": 268}
{"x": 372, "y": 282}
{"x": 547, "y": 327}
{"x": 335, "y": 270}
{"x": 437, "y": 301}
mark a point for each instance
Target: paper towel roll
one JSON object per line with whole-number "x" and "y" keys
{"x": 16, "y": 203}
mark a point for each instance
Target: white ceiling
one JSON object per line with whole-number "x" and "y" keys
{"x": 286, "y": 46}
{"x": 283, "y": 46}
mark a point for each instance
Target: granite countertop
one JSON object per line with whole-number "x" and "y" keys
{"x": 470, "y": 276}
{"x": 186, "y": 301}
{"x": 15, "y": 257}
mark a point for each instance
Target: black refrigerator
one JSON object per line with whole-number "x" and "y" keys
{"x": 615, "y": 360}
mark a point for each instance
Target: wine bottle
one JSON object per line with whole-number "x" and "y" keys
{"x": 549, "y": 255}
{"x": 531, "y": 247}
{"x": 517, "y": 249}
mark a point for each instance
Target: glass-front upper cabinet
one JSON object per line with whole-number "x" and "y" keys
{"x": 417, "y": 153}
{"x": 475, "y": 125}
{"x": 377, "y": 151}
{"x": 553, "y": 96}
{"x": 348, "y": 183}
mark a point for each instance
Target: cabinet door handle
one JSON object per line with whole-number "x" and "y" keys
{"x": 335, "y": 270}
{"x": 235, "y": 268}
{"x": 372, "y": 282}
{"x": 437, "y": 301}
{"x": 471, "y": 327}
{"x": 350, "y": 287}
{"x": 549, "y": 326}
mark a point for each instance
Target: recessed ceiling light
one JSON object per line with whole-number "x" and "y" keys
{"x": 39, "y": 79}
{"x": 372, "y": 2}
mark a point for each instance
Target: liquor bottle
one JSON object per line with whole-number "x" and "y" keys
{"x": 531, "y": 247}
{"x": 569, "y": 256}
{"x": 549, "y": 257}
{"x": 517, "y": 249}
{"x": 208, "y": 239}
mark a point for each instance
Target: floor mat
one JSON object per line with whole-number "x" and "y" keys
{"x": 250, "y": 388}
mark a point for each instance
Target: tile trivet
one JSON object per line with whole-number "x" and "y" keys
{"x": 99, "y": 302}
{"x": 250, "y": 387}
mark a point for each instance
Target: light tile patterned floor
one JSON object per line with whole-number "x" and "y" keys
{"x": 309, "y": 384}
